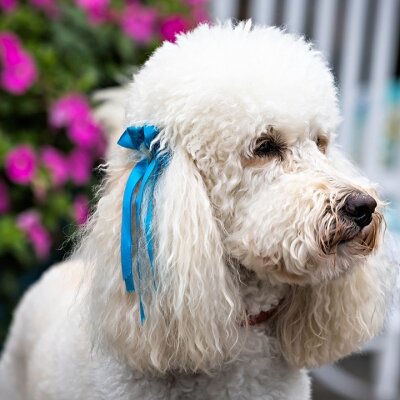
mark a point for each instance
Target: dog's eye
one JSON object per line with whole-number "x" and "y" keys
{"x": 268, "y": 147}
{"x": 322, "y": 143}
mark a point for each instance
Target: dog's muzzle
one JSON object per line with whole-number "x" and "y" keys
{"x": 355, "y": 222}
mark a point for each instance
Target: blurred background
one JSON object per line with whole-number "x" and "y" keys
{"x": 54, "y": 55}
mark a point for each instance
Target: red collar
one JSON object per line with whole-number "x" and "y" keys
{"x": 263, "y": 316}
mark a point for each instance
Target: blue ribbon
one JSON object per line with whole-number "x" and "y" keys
{"x": 144, "y": 173}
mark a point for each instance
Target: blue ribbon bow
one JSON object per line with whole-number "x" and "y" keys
{"x": 146, "y": 173}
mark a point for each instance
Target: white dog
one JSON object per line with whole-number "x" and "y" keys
{"x": 264, "y": 239}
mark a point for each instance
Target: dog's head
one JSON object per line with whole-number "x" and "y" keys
{"x": 255, "y": 112}
{"x": 249, "y": 118}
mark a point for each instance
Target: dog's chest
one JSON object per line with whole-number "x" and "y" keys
{"x": 260, "y": 373}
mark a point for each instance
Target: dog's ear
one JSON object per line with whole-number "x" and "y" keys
{"x": 320, "y": 324}
{"x": 193, "y": 317}
{"x": 192, "y": 311}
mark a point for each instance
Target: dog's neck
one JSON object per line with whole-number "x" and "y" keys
{"x": 260, "y": 296}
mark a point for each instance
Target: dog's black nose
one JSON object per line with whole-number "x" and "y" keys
{"x": 359, "y": 207}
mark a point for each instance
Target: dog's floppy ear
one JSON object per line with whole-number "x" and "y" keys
{"x": 193, "y": 318}
{"x": 191, "y": 313}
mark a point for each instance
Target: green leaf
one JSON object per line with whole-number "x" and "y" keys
{"x": 13, "y": 240}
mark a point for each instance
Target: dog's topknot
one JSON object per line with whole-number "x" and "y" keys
{"x": 216, "y": 73}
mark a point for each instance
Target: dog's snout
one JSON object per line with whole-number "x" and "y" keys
{"x": 360, "y": 207}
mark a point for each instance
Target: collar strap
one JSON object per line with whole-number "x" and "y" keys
{"x": 259, "y": 318}
{"x": 263, "y": 316}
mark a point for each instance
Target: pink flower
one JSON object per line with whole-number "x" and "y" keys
{"x": 138, "y": 23}
{"x": 48, "y": 6}
{"x": 97, "y": 10}
{"x": 4, "y": 198}
{"x": 80, "y": 166}
{"x": 19, "y": 69}
{"x": 57, "y": 164}
{"x": 30, "y": 223}
{"x": 172, "y": 26}
{"x": 8, "y": 6}
{"x": 81, "y": 209}
{"x": 69, "y": 109}
{"x": 84, "y": 133}
{"x": 73, "y": 112}
{"x": 196, "y": 2}
{"x": 20, "y": 164}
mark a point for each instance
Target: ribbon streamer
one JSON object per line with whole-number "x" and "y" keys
{"x": 144, "y": 173}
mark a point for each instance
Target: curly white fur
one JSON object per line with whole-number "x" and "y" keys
{"x": 235, "y": 234}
